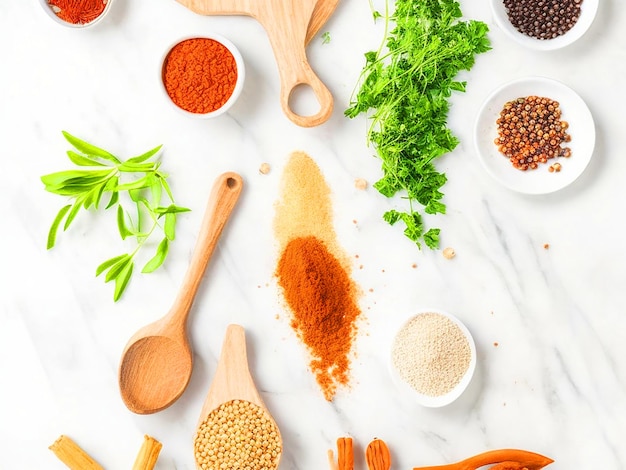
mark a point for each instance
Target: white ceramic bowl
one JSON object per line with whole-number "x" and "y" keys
{"x": 241, "y": 74}
{"x": 48, "y": 10}
{"x": 588, "y": 10}
{"x": 540, "y": 180}
{"x": 442, "y": 400}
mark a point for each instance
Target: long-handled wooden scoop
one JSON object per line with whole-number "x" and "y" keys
{"x": 286, "y": 23}
{"x": 234, "y": 403}
{"x": 157, "y": 360}
{"x": 501, "y": 459}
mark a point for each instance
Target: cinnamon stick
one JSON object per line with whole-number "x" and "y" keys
{"x": 70, "y": 453}
{"x": 345, "y": 455}
{"x": 148, "y": 454}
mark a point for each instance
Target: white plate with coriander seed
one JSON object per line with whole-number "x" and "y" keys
{"x": 433, "y": 358}
{"x": 558, "y": 172}
{"x": 565, "y": 37}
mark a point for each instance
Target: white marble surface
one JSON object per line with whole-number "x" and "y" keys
{"x": 555, "y": 384}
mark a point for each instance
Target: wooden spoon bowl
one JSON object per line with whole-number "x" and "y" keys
{"x": 157, "y": 361}
{"x": 234, "y": 403}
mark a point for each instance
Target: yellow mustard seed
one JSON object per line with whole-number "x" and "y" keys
{"x": 238, "y": 434}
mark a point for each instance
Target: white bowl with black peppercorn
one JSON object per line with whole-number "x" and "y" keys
{"x": 505, "y": 131}
{"x": 544, "y": 24}
{"x": 433, "y": 358}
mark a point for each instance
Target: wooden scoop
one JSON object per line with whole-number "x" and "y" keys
{"x": 286, "y": 23}
{"x": 502, "y": 459}
{"x": 233, "y": 381}
{"x": 157, "y": 361}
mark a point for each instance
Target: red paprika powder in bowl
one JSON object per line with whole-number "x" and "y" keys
{"x": 203, "y": 75}
{"x": 76, "y": 13}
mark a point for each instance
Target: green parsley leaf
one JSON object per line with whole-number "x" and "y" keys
{"x": 404, "y": 89}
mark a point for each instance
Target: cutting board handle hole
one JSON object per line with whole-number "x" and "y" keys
{"x": 303, "y": 101}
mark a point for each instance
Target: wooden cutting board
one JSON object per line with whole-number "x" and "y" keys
{"x": 286, "y": 23}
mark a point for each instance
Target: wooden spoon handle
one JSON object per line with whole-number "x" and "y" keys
{"x": 222, "y": 200}
{"x": 288, "y": 44}
{"x": 296, "y": 71}
{"x": 530, "y": 460}
{"x": 232, "y": 380}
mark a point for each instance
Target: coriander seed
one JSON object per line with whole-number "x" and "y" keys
{"x": 531, "y": 132}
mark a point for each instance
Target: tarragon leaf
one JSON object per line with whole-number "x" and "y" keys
{"x": 81, "y": 160}
{"x": 145, "y": 156}
{"x": 158, "y": 259}
{"x": 170, "y": 225}
{"x": 121, "y": 223}
{"x": 108, "y": 263}
{"x": 52, "y": 233}
{"x": 86, "y": 187}
{"x": 118, "y": 267}
{"x": 89, "y": 149}
{"x": 121, "y": 281}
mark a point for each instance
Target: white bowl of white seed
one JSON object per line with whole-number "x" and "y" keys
{"x": 433, "y": 358}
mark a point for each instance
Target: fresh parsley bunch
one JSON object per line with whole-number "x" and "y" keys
{"x": 102, "y": 174}
{"x": 405, "y": 87}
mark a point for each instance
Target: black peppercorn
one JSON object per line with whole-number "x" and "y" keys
{"x": 546, "y": 19}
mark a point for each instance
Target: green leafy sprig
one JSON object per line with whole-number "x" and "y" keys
{"x": 136, "y": 182}
{"x": 405, "y": 87}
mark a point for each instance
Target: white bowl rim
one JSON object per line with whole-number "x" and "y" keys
{"x": 457, "y": 391}
{"x": 556, "y": 181}
{"x": 48, "y": 9}
{"x": 241, "y": 73}
{"x": 588, "y": 12}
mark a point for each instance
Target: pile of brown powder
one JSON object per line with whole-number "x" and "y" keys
{"x": 314, "y": 273}
{"x": 431, "y": 354}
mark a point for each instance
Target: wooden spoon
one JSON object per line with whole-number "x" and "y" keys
{"x": 509, "y": 458}
{"x": 286, "y": 23}
{"x": 157, "y": 360}
{"x": 233, "y": 381}
{"x": 377, "y": 455}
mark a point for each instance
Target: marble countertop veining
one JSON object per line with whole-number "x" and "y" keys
{"x": 554, "y": 384}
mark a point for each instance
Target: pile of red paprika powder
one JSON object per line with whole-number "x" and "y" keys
{"x": 200, "y": 75}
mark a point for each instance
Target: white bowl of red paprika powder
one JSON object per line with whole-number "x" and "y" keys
{"x": 202, "y": 76}
{"x": 76, "y": 13}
